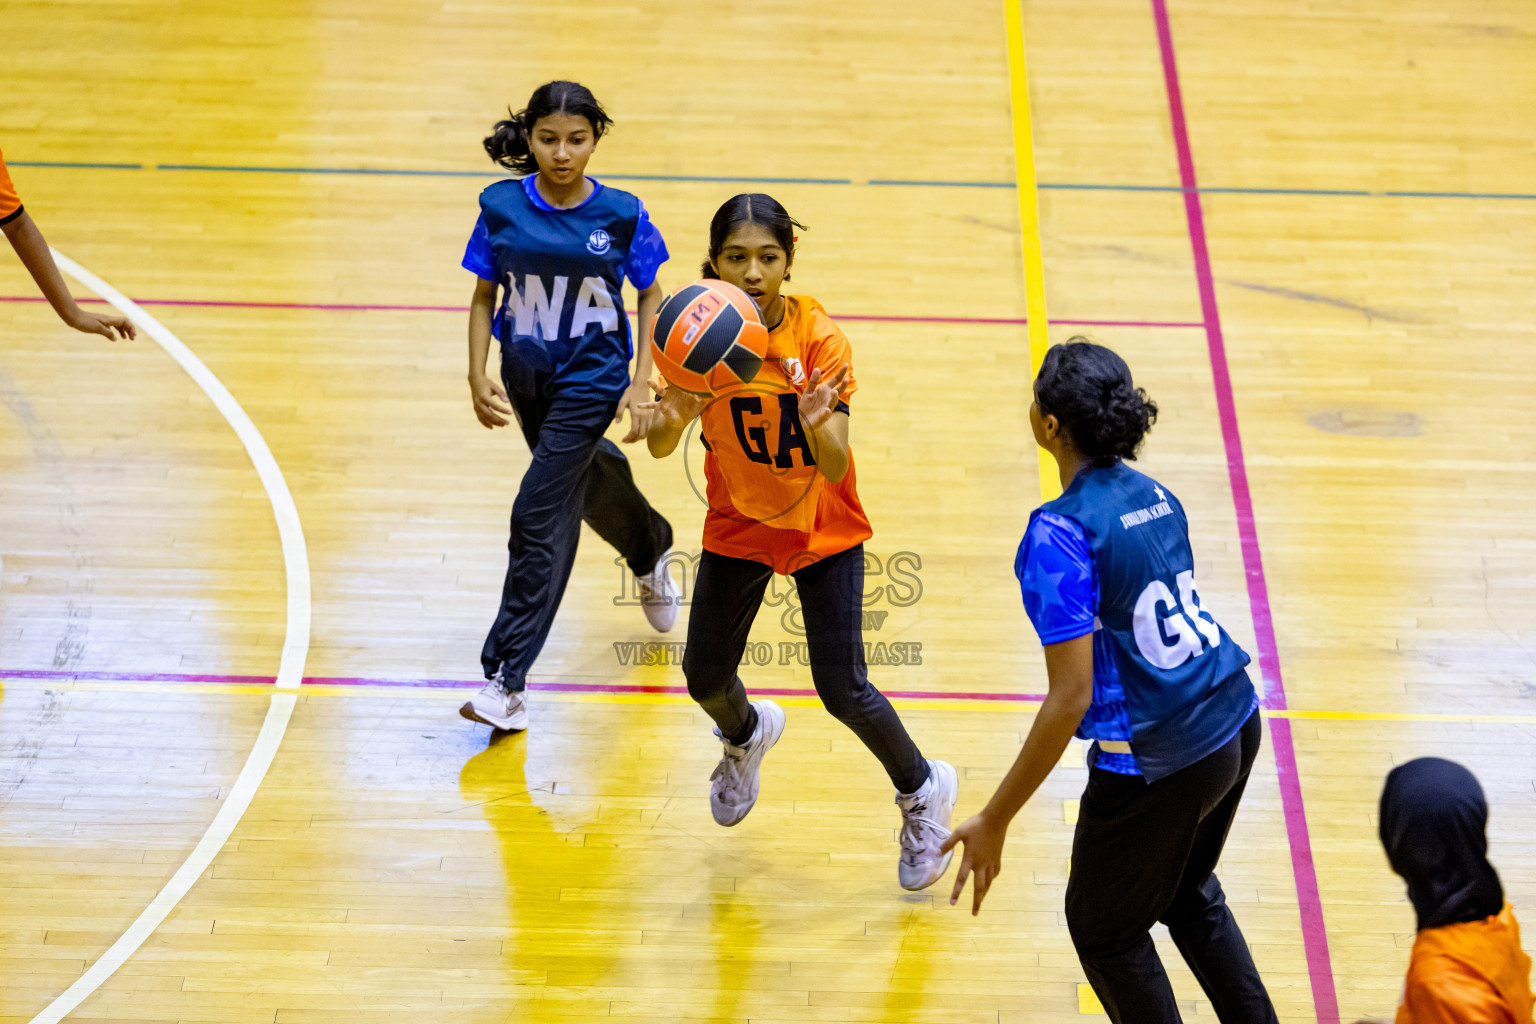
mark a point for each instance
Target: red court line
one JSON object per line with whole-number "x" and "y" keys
{"x": 1314, "y": 932}
{"x": 367, "y": 307}
{"x": 55, "y": 675}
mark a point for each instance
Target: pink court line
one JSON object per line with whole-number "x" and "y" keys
{"x": 365, "y": 307}
{"x": 1314, "y": 932}
{"x": 54, "y": 675}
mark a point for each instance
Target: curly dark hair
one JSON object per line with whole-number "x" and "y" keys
{"x": 1088, "y": 388}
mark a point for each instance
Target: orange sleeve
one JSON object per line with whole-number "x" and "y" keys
{"x": 1441, "y": 991}
{"x": 829, "y": 349}
{"x": 10, "y": 203}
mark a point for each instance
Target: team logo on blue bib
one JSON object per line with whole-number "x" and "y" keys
{"x": 598, "y": 242}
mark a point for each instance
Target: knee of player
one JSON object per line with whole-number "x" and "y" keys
{"x": 1099, "y": 935}
{"x": 843, "y": 690}
{"x": 705, "y": 680}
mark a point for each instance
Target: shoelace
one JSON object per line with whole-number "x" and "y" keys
{"x": 654, "y": 583}
{"x": 913, "y": 822}
{"x": 729, "y": 769}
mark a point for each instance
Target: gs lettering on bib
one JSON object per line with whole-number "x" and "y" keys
{"x": 1168, "y": 630}
{"x": 1112, "y": 554}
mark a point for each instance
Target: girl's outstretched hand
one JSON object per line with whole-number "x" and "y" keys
{"x": 982, "y": 853}
{"x": 492, "y": 408}
{"x": 676, "y": 406}
{"x": 819, "y": 398}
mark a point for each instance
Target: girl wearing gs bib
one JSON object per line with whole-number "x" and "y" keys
{"x": 1137, "y": 665}
{"x": 782, "y": 499}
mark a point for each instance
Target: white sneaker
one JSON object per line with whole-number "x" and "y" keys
{"x": 925, "y": 817}
{"x": 659, "y": 595}
{"x": 497, "y": 708}
{"x": 733, "y": 786}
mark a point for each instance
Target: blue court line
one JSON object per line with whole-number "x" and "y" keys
{"x": 400, "y": 172}
{"x": 1459, "y": 195}
{"x": 494, "y": 174}
{"x": 1065, "y": 186}
{"x": 71, "y": 163}
{"x": 955, "y": 184}
{"x": 743, "y": 181}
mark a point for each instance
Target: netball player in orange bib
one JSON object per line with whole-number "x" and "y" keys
{"x": 782, "y": 499}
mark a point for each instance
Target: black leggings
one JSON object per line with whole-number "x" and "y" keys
{"x": 576, "y": 474}
{"x": 1147, "y": 852}
{"x": 727, "y": 593}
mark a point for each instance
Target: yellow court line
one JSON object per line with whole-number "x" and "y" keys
{"x": 1393, "y": 716}
{"x": 431, "y": 693}
{"x": 1087, "y": 1002}
{"x": 1029, "y": 218}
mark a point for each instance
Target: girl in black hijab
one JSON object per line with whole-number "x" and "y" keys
{"x": 1434, "y": 824}
{"x": 1467, "y": 966}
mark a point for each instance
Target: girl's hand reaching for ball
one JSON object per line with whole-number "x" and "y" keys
{"x": 678, "y": 407}
{"x": 818, "y": 400}
{"x": 672, "y": 411}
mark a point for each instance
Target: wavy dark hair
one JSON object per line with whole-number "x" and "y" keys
{"x": 1088, "y": 388}
{"x": 508, "y": 142}
{"x": 751, "y": 208}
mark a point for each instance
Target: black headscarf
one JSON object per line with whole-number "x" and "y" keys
{"x": 1433, "y": 825}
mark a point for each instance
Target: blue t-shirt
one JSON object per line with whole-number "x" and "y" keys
{"x": 1166, "y": 677}
{"x": 647, "y": 251}
{"x": 561, "y": 319}
{"x": 1061, "y": 596}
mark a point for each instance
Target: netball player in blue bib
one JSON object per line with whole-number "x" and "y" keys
{"x": 557, "y": 246}
{"x": 1141, "y": 668}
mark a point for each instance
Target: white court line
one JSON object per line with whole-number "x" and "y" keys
{"x": 290, "y": 670}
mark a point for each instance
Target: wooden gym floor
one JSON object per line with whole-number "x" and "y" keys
{"x": 1360, "y": 370}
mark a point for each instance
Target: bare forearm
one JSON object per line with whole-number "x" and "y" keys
{"x": 1055, "y": 723}
{"x": 32, "y": 248}
{"x": 663, "y": 437}
{"x": 650, "y": 302}
{"x": 479, "y": 335}
{"x": 829, "y": 447}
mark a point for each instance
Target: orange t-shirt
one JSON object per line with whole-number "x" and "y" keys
{"x": 1471, "y": 973}
{"x": 10, "y": 203}
{"x": 767, "y": 500}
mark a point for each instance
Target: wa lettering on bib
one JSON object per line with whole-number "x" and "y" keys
{"x": 537, "y": 308}
{"x": 561, "y": 321}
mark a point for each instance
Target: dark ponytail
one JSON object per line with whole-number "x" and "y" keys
{"x": 751, "y": 208}
{"x": 508, "y": 142}
{"x": 1088, "y": 388}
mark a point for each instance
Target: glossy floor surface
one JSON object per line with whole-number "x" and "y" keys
{"x": 288, "y": 187}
